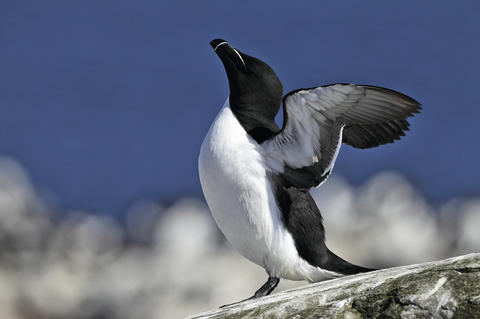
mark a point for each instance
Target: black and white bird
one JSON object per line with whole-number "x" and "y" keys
{"x": 256, "y": 177}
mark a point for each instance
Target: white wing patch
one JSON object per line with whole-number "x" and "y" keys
{"x": 309, "y": 136}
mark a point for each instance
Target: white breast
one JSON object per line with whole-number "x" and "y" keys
{"x": 235, "y": 184}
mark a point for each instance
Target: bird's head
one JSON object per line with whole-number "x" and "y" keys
{"x": 254, "y": 86}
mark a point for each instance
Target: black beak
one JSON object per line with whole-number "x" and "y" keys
{"x": 231, "y": 58}
{"x": 217, "y": 42}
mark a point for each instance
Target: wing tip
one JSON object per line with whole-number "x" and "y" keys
{"x": 414, "y": 105}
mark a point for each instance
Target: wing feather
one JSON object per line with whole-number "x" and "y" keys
{"x": 318, "y": 120}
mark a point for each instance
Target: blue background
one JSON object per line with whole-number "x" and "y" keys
{"x": 105, "y": 102}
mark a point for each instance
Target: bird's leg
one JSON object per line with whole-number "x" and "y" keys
{"x": 265, "y": 290}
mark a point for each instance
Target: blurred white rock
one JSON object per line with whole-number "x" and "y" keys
{"x": 169, "y": 262}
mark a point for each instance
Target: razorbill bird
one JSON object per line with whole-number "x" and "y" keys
{"x": 256, "y": 177}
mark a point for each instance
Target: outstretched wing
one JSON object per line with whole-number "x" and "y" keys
{"x": 318, "y": 120}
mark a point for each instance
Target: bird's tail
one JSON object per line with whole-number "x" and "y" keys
{"x": 342, "y": 266}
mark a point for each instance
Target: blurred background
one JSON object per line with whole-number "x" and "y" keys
{"x": 103, "y": 108}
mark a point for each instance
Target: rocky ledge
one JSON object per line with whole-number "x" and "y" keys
{"x": 441, "y": 289}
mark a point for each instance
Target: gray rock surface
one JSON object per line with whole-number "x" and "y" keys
{"x": 441, "y": 289}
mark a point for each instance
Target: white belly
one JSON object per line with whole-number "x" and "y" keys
{"x": 235, "y": 184}
{"x": 233, "y": 181}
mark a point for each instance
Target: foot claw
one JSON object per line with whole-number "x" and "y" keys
{"x": 265, "y": 290}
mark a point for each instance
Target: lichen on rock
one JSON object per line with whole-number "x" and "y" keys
{"x": 441, "y": 289}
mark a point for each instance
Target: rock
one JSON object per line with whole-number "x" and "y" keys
{"x": 441, "y": 289}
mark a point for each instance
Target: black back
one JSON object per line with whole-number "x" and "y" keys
{"x": 303, "y": 220}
